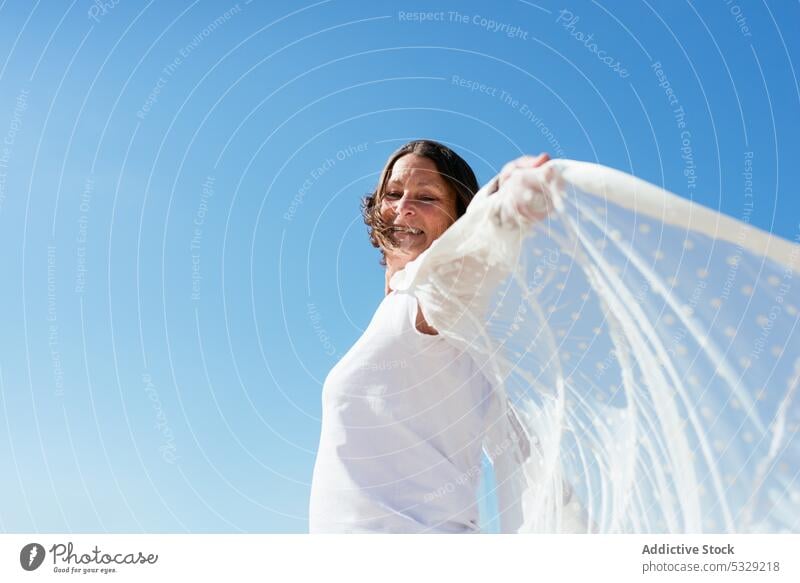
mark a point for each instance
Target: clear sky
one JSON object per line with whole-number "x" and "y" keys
{"x": 183, "y": 256}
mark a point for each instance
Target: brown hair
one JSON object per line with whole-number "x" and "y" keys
{"x": 453, "y": 169}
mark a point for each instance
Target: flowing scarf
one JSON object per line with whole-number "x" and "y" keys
{"x": 644, "y": 351}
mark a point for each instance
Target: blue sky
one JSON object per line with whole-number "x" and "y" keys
{"x": 183, "y": 254}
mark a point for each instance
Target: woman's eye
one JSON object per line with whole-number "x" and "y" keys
{"x": 392, "y": 195}
{"x": 426, "y": 198}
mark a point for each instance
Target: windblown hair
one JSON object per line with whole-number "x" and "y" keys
{"x": 453, "y": 169}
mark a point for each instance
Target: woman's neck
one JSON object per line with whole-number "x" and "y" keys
{"x": 394, "y": 263}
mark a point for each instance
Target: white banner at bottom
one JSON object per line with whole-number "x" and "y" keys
{"x": 402, "y": 558}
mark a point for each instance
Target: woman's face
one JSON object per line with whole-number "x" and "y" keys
{"x": 418, "y": 204}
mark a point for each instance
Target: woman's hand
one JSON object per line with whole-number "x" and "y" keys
{"x": 523, "y": 196}
{"x": 522, "y": 162}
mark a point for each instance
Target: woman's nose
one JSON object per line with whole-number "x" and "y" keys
{"x": 404, "y": 206}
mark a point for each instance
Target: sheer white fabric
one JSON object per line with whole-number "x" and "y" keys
{"x": 644, "y": 348}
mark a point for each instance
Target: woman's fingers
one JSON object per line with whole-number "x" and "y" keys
{"x": 541, "y": 159}
{"x": 525, "y": 196}
{"x": 522, "y": 162}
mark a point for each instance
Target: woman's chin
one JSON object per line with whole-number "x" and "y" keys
{"x": 408, "y": 243}
{"x": 404, "y": 253}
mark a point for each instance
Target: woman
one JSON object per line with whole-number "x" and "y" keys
{"x": 626, "y": 358}
{"x": 404, "y": 412}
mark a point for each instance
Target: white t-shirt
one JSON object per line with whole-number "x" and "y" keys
{"x": 403, "y": 421}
